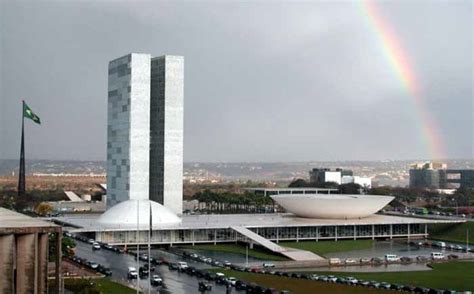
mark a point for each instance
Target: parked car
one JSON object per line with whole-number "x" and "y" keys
{"x": 232, "y": 281}
{"x": 453, "y": 256}
{"x": 92, "y": 264}
{"x": 132, "y": 273}
{"x": 204, "y": 286}
{"x": 352, "y": 280}
{"x": 95, "y": 246}
{"x": 268, "y": 265}
{"x": 334, "y": 261}
{"x": 405, "y": 259}
{"x": 385, "y": 285}
{"x": 182, "y": 265}
{"x": 437, "y": 255}
{"x": 392, "y": 258}
{"x": 350, "y": 261}
{"x": 227, "y": 263}
{"x": 143, "y": 272}
{"x": 240, "y": 285}
{"x": 210, "y": 276}
{"x": 173, "y": 266}
{"x": 156, "y": 280}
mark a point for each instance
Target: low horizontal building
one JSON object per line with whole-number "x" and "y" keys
{"x": 217, "y": 228}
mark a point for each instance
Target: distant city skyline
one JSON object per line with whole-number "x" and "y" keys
{"x": 279, "y": 82}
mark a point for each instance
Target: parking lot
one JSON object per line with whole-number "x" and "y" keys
{"x": 174, "y": 281}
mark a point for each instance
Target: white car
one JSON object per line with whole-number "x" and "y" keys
{"x": 232, "y": 281}
{"x": 350, "y": 261}
{"x": 268, "y": 265}
{"x": 132, "y": 273}
{"x": 156, "y": 280}
{"x": 352, "y": 280}
{"x": 437, "y": 255}
{"x": 96, "y": 246}
{"x": 227, "y": 263}
{"x": 392, "y": 258}
{"x": 182, "y": 265}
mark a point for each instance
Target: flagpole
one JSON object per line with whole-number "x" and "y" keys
{"x": 149, "y": 252}
{"x": 138, "y": 246}
{"x": 21, "y": 180}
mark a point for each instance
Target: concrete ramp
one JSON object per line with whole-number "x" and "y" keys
{"x": 73, "y": 196}
{"x": 291, "y": 253}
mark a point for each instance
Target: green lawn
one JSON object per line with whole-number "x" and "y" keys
{"x": 96, "y": 286}
{"x": 451, "y": 232}
{"x": 451, "y": 275}
{"x": 324, "y": 247}
{"x": 259, "y": 253}
{"x": 297, "y": 286}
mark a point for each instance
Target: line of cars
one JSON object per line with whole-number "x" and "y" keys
{"x": 444, "y": 246}
{"x": 390, "y": 259}
{"x": 91, "y": 265}
{"x": 220, "y": 278}
{"x": 206, "y": 278}
{"x": 204, "y": 259}
{"x": 144, "y": 272}
{"x": 357, "y": 282}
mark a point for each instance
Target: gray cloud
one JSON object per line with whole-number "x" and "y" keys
{"x": 264, "y": 81}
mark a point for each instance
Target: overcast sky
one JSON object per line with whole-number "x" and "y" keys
{"x": 264, "y": 81}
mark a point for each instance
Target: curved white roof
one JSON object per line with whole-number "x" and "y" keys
{"x": 335, "y": 206}
{"x": 124, "y": 214}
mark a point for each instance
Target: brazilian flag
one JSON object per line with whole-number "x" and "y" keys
{"x": 27, "y": 112}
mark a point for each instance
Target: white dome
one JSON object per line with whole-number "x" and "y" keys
{"x": 335, "y": 206}
{"x": 124, "y": 215}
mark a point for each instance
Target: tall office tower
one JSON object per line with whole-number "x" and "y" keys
{"x": 166, "y": 121}
{"x": 128, "y": 128}
{"x": 145, "y": 130}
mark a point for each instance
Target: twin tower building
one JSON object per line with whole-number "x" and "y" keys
{"x": 145, "y": 130}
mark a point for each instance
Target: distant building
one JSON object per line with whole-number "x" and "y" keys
{"x": 145, "y": 130}
{"x": 361, "y": 181}
{"x": 436, "y": 175}
{"x": 319, "y": 176}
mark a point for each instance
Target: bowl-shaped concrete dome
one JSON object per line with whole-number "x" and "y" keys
{"x": 124, "y": 215}
{"x": 335, "y": 206}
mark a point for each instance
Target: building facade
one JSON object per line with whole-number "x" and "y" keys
{"x": 24, "y": 251}
{"x": 145, "y": 130}
{"x": 166, "y": 121}
{"x": 128, "y": 128}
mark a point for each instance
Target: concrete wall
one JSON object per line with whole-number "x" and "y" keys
{"x": 23, "y": 263}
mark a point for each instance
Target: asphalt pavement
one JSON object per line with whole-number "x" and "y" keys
{"x": 174, "y": 281}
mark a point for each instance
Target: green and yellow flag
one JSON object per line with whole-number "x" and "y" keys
{"x": 27, "y": 112}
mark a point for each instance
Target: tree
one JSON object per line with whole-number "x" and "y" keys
{"x": 43, "y": 208}
{"x": 298, "y": 183}
{"x": 349, "y": 188}
{"x": 67, "y": 245}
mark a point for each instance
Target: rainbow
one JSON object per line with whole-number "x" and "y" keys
{"x": 400, "y": 63}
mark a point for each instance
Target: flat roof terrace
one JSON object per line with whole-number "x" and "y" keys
{"x": 14, "y": 222}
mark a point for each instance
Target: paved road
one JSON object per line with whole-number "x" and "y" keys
{"x": 174, "y": 281}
